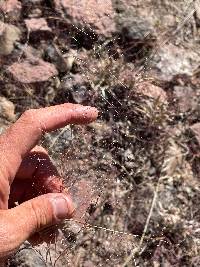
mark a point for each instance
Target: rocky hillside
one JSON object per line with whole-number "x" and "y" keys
{"x": 135, "y": 171}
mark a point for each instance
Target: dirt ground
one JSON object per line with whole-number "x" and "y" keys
{"x": 134, "y": 173}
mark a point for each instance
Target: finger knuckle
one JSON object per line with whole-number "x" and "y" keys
{"x": 40, "y": 215}
{"x": 29, "y": 115}
{"x": 30, "y": 119}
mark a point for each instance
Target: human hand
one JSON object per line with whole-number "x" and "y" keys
{"x": 27, "y": 176}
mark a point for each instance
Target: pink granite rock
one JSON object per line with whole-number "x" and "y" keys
{"x": 95, "y": 15}
{"x": 32, "y": 71}
{"x": 153, "y": 91}
{"x": 37, "y": 25}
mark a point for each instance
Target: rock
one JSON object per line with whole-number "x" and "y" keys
{"x": 187, "y": 98}
{"x": 153, "y": 91}
{"x": 37, "y": 24}
{"x": 30, "y": 71}
{"x": 11, "y": 8}
{"x": 135, "y": 28}
{"x": 174, "y": 60}
{"x": 38, "y": 27}
{"x": 9, "y": 34}
{"x": 27, "y": 256}
{"x": 7, "y": 109}
{"x": 134, "y": 22}
{"x": 93, "y": 15}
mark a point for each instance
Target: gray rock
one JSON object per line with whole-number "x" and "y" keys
{"x": 172, "y": 60}
{"x": 135, "y": 28}
{"x": 132, "y": 21}
{"x": 27, "y": 257}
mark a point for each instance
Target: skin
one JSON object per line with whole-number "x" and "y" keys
{"x": 28, "y": 177}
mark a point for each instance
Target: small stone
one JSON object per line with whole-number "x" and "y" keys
{"x": 37, "y": 25}
{"x": 94, "y": 15}
{"x": 7, "y": 109}
{"x": 9, "y": 34}
{"x": 30, "y": 71}
{"x": 153, "y": 91}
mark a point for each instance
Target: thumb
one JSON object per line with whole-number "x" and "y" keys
{"x": 36, "y": 214}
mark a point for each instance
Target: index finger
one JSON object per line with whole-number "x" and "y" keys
{"x": 24, "y": 134}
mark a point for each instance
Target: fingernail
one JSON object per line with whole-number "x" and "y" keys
{"x": 60, "y": 206}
